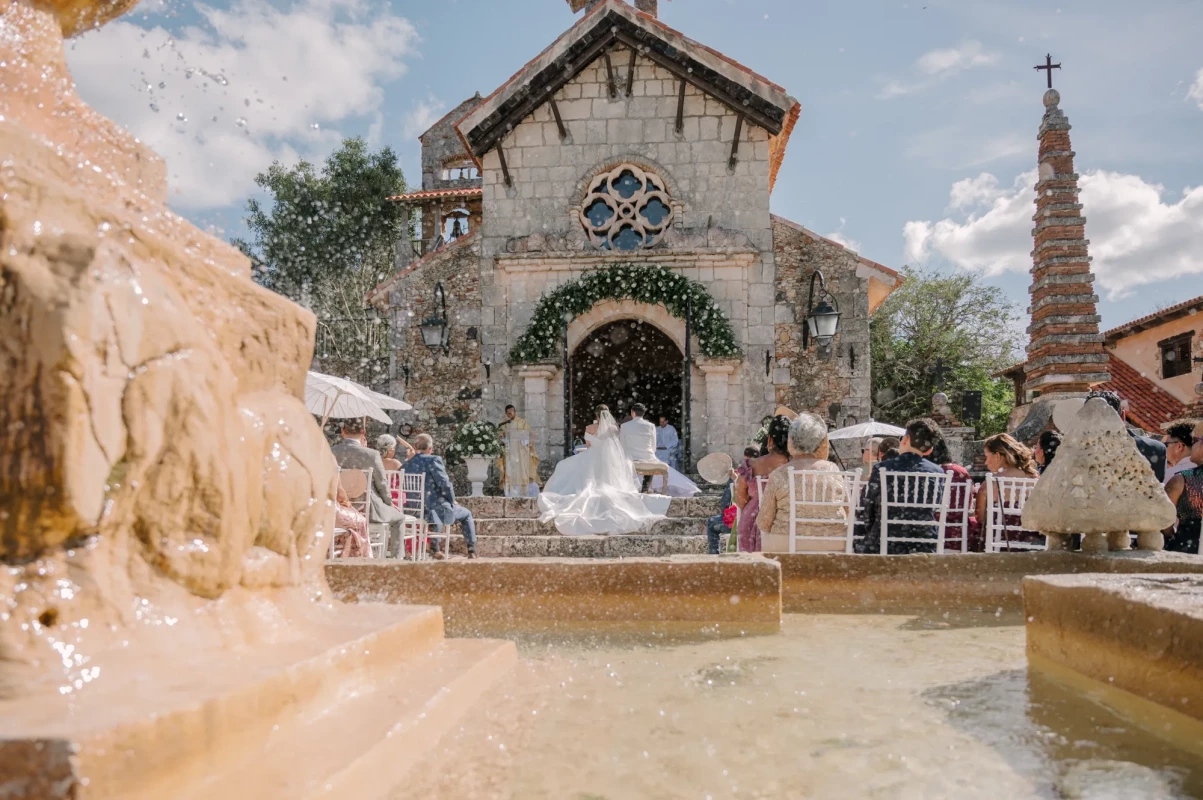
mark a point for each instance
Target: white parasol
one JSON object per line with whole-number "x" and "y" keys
{"x": 866, "y": 429}
{"x": 328, "y": 396}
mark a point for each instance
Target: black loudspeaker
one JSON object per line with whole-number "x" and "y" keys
{"x": 971, "y": 405}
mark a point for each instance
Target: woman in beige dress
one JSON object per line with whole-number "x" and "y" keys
{"x": 808, "y": 448}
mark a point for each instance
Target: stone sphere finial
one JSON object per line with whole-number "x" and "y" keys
{"x": 1051, "y": 98}
{"x": 939, "y": 399}
{"x": 79, "y": 16}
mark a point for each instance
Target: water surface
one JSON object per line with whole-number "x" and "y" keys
{"x": 836, "y": 706}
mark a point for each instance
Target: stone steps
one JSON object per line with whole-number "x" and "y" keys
{"x": 341, "y": 706}
{"x": 555, "y": 545}
{"x": 524, "y": 507}
{"x": 508, "y": 528}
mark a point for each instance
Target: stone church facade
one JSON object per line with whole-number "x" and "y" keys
{"x": 623, "y": 144}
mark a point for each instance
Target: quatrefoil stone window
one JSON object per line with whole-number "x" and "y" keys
{"x": 626, "y": 209}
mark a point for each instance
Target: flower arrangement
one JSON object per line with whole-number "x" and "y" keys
{"x": 647, "y": 284}
{"x": 478, "y": 438}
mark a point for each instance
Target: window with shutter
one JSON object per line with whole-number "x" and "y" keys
{"x": 1176, "y": 356}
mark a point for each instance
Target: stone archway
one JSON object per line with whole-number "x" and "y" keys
{"x": 623, "y": 361}
{"x": 610, "y": 310}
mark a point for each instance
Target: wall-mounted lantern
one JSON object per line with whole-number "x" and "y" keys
{"x": 822, "y": 320}
{"x": 435, "y": 331}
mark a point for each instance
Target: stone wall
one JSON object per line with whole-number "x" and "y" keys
{"x": 444, "y": 389}
{"x": 812, "y": 381}
{"x": 441, "y": 144}
{"x": 721, "y": 220}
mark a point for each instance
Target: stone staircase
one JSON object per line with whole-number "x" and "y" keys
{"x": 508, "y": 528}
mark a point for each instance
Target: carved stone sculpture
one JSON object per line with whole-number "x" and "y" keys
{"x": 1099, "y": 485}
{"x": 155, "y": 457}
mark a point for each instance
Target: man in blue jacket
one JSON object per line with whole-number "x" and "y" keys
{"x": 441, "y": 508}
{"x": 921, "y": 436}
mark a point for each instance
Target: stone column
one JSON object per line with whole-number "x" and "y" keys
{"x": 535, "y": 379}
{"x": 718, "y": 376}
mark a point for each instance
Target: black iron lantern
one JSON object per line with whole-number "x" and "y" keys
{"x": 435, "y": 332}
{"x": 822, "y": 320}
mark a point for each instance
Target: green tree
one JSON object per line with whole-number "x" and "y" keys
{"x": 325, "y": 238}
{"x": 951, "y": 318}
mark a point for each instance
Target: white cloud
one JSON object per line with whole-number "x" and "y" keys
{"x": 1135, "y": 236}
{"x": 1195, "y": 92}
{"x": 840, "y": 238}
{"x": 423, "y": 114}
{"x": 252, "y": 84}
{"x": 954, "y": 59}
{"x": 938, "y": 65}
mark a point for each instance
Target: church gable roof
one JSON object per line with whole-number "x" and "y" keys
{"x": 761, "y": 101}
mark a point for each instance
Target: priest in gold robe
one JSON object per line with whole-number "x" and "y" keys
{"x": 517, "y": 463}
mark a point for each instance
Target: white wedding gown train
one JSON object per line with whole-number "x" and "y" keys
{"x": 595, "y": 492}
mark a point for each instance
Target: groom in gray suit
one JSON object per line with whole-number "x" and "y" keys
{"x": 639, "y": 440}
{"x": 353, "y": 453}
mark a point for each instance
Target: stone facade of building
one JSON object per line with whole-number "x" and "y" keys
{"x": 622, "y": 104}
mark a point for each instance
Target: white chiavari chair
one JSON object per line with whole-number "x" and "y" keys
{"x": 1005, "y": 499}
{"x": 824, "y": 494}
{"x": 357, "y": 484}
{"x": 908, "y": 493}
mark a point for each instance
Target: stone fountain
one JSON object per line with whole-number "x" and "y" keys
{"x": 165, "y": 498}
{"x": 1099, "y": 485}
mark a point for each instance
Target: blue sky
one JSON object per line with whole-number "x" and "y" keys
{"x": 915, "y": 144}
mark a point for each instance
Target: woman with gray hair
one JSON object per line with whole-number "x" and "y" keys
{"x": 386, "y": 445}
{"x": 808, "y": 449}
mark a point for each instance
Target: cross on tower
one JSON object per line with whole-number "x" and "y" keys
{"x": 1049, "y": 66}
{"x": 939, "y": 371}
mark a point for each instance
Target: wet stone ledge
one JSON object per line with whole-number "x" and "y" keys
{"x": 1140, "y": 633}
{"x": 739, "y": 593}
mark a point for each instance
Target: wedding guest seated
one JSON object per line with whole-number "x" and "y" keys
{"x": 921, "y": 436}
{"x": 441, "y": 508}
{"x": 353, "y": 453}
{"x": 1186, "y": 493}
{"x": 1178, "y": 443}
{"x": 747, "y": 492}
{"x": 721, "y": 523}
{"x": 354, "y": 543}
{"x": 717, "y": 525}
{"x": 960, "y": 485}
{"x": 869, "y": 457}
{"x": 808, "y": 450}
{"x": 887, "y": 448}
{"x": 1046, "y": 449}
{"x": 386, "y": 446}
{"x": 1007, "y": 457}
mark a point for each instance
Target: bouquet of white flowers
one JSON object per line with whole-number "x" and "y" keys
{"x": 477, "y": 438}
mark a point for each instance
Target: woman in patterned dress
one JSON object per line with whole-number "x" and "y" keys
{"x": 1186, "y": 492}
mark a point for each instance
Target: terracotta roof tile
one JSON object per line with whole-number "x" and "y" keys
{"x": 1157, "y": 317}
{"x": 1149, "y": 406}
{"x": 430, "y": 194}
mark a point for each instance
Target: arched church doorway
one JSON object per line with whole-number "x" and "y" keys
{"x": 622, "y": 363}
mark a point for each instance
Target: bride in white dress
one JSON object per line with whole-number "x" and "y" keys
{"x": 596, "y": 492}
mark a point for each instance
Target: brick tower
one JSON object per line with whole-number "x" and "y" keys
{"x": 1065, "y": 354}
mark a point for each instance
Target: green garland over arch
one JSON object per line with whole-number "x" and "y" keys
{"x": 653, "y": 285}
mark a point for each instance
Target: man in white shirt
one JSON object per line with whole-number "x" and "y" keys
{"x": 1178, "y": 439}
{"x": 638, "y": 438}
{"x": 667, "y": 442}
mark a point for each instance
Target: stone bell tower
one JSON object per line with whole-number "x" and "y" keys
{"x": 1065, "y": 354}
